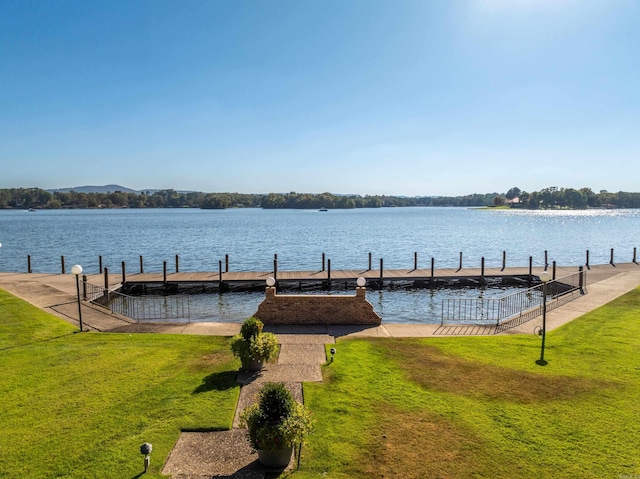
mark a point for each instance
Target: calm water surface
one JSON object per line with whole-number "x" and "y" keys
{"x": 299, "y": 237}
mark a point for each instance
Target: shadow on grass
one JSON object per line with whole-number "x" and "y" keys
{"x": 217, "y": 382}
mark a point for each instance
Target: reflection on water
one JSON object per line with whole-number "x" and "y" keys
{"x": 399, "y": 306}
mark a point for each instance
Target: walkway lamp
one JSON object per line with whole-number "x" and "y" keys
{"x": 77, "y": 270}
{"x": 545, "y": 276}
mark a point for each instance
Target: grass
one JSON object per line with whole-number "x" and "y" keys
{"x": 480, "y": 406}
{"x": 80, "y": 405}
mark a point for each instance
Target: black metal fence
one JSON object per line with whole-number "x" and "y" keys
{"x": 514, "y": 309}
{"x": 166, "y": 308}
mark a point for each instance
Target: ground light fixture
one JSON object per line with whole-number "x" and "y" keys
{"x": 333, "y": 352}
{"x": 545, "y": 276}
{"x": 361, "y": 282}
{"x": 77, "y": 270}
{"x": 145, "y": 450}
{"x": 271, "y": 281}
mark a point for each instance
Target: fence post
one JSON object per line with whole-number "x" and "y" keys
{"x": 588, "y": 267}
{"x": 323, "y": 261}
{"x": 62, "y": 264}
{"x": 611, "y": 261}
{"x": 100, "y": 264}
{"x": 28, "y": 263}
{"x": 177, "y": 264}
{"x": 381, "y": 272}
{"x": 530, "y": 270}
{"x": 415, "y": 260}
{"x": 164, "y": 272}
{"x": 84, "y": 287}
{"x": 553, "y": 276}
{"x": 504, "y": 260}
{"x": 141, "y": 265}
{"x": 106, "y": 278}
{"x": 482, "y": 271}
{"x": 581, "y": 282}
{"x": 124, "y": 274}
{"x": 226, "y": 263}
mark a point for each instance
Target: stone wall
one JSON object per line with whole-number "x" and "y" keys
{"x": 316, "y": 309}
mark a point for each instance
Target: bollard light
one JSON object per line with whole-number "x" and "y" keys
{"x": 271, "y": 281}
{"x": 77, "y": 270}
{"x": 145, "y": 450}
{"x": 545, "y": 276}
{"x": 333, "y": 352}
{"x": 361, "y": 282}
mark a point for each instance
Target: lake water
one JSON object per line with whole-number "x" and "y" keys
{"x": 251, "y": 237}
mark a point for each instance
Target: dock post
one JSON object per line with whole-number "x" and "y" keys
{"x": 504, "y": 260}
{"x": 546, "y": 260}
{"x": 415, "y": 260}
{"x": 124, "y": 274}
{"x": 581, "y": 284}
{"x": 100, "y": 264}
{"x": 530, "y": 270}
{"x": 275, "y": 267}
{"x": 553, "y": 276}
{"x": 28, "y": 263}
{"x": 62, "y": 264}
{"x": 369, "y": 262}
{"x": 329, "y": 274}
{"x": 611, "y": 261}
{"x": 482, "y": 281}
{"x": 84, "y": 287}
{"x": 226, "y": 263}
{"x": 177, "y": 264}
{"x": 381, "y": 272}
{"x": 219, "y": 272}
{"x": 164, "y": 272}
{"x": 460, "y": 267}
{"x": 634, "y": 255}
{"x": 141, "y": 265}
{"x": 588, "y": 267}
{"x": 106, "y": 284}
{"x": 323, "y": 261}
{"x": 433, "y": 263}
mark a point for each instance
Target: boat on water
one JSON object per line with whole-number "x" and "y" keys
{"x": 323, "y": 209}
{"x": 32, "y": 210}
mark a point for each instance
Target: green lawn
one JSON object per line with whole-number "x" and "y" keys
{"x": 481, "y": 407}
{"x": 79, "y": 405}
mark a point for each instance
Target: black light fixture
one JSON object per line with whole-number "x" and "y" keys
{"x": 145, "y": 449}
{"x": 77, "y": 270}
{"x": 545, "y": 276}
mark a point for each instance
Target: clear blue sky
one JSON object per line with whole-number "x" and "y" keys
{"x": 427, "y": 97}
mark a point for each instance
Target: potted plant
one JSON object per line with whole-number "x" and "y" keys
{"x": 252, "y": 346}
{"x": 276, "y": 423}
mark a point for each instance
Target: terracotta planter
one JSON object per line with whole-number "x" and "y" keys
{"x": 277, "y": 458}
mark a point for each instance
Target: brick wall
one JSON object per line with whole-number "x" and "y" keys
{"x": 316, "y": 309}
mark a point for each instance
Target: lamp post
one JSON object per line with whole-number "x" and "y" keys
{"x": 77, "y": 270}
{"x": 545, "y": 276}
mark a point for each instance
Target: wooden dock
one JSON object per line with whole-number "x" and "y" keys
{"x": 373, "y": 277}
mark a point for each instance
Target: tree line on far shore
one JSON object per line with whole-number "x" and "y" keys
{"x": 548, "y": 198}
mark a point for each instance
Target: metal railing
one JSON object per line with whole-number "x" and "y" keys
{"x": 166, "y": 308}
{"x": 514, "y": 309}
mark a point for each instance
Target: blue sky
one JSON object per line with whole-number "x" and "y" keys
{"x": 440, "y": 97}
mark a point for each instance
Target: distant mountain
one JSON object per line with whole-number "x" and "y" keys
{"x": 94, "y": 189}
